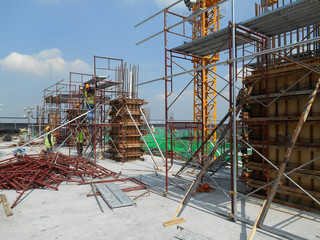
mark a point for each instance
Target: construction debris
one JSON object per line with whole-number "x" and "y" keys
{"x": 5, "y": 203}
{"x": 47, "y": 170}
{"x": 205, "y": 187}
{"x": 113, "y": 196}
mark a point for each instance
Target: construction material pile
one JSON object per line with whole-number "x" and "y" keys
{"x": 47, "y": 170}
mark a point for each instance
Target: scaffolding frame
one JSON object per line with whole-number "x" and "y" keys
{"x": 268, "y": 51}
{"x": 66, "y": 101}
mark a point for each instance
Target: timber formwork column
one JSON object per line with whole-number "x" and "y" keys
{"x": 282, "y": 84}
{"x": 283, "y": 119}
{"x": 125, "y": 143}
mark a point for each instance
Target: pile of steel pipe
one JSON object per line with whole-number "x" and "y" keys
{"x": 47, "y": 169}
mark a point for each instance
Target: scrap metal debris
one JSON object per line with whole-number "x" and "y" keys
{"x": 48, "y": 169}
{"x": 205, "y": 187}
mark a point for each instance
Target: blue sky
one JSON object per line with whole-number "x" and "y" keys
{"x": 66, "y": 34}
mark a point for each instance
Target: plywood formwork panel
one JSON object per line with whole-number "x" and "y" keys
{"x": 125, "y": 143}
{"x": 282, "y": 121}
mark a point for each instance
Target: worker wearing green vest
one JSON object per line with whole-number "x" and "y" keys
{"x": 49, "y": 140}
{"x": 247, "y": 108}
{"x": 80, "y": 141}
{"x": 89, "y": 95}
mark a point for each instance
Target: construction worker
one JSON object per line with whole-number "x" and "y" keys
{"x": 247, "y": 107}
{"x": 49, "y": 141}
{"x": 89, "y": 95}
{"x": 80, "y": 141}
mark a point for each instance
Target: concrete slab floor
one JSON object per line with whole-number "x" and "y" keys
{"x": 70, "y": 214}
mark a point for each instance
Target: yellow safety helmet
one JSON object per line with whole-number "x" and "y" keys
{"x": 48, "y": 128}
{"x": 78, "y": 104}
{"x": 87, "y": 85}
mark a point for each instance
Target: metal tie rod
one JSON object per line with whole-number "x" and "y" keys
{"x": 149, "y": 18}
{"x": 145, "y": 119}
{"x": 53, "y": 84}
{"x": 135, "y": 124}
{"x": 95, "y": 196}
{"x": 237, "y": 60}
{"x": 268, "y": 184}
{"x": 284, "y": 174}
{"x": 184, "y": 20}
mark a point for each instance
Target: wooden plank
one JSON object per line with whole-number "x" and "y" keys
{"x": 283, "y": 70}
{"x": 6, "y": 205}
{"x": 274, "y": 119}
{"x": 301, "y": 172}
{"x": 254, "y": 229}
{"x": 286, "y": 94}
{"x": 285, "y": 189}
{"x": 281, "y": 145}
{"x": 288, "y": 204}
{"x": 174, "y": 222}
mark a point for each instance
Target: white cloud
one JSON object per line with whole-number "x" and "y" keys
{"x": 79, "y": 66}
{"x": 49, "y": 53}
{"x": 39, "y": 64}
{"x": 160, "y": 96}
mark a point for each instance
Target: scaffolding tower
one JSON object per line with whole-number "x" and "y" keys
{"x": 104, "y": 123}
{"x": 278, "y": 53}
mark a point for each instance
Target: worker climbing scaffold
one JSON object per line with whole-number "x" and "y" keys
{"x": 49, "y": 140}
{"x": 89, "y": 95}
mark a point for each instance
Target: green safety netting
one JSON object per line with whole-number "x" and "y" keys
{"x": 179, "y": 144}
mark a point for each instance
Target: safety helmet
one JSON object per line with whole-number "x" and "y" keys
{"x": 87, "y": 85}
{"x": 78, "y": 104}
{"x": 48, "y": 128}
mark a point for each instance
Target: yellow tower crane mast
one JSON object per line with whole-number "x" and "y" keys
{"x": 205, "y": 81}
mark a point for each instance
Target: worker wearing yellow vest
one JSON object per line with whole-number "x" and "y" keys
{"x": 89, "y": 95}
{"x": 247, "y": 107}
{"x": 49, "y": 140}
{"x": 80, "y": 141}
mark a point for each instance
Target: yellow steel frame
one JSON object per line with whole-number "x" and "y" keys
{"x": 205, "y": 81}
{"x": 265, "y": 3}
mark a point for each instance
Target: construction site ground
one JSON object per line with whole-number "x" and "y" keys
{"x": 70, "y": 214}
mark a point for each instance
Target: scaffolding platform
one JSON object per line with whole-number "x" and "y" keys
{"x": 290, "y": 17}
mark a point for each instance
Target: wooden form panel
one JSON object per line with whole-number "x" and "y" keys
{"x": 282, "y": 117}
{"x": 125, "y": 143}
